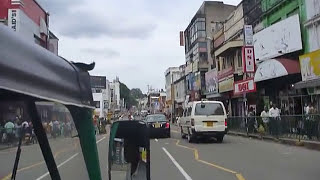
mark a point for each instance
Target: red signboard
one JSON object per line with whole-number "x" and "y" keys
{"x": 181, "y": 38}
{"x": 248, "y": 59}
{"x": 245, "y": 86}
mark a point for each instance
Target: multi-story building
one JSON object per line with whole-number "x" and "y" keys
{"x": 100, "y": 93}
{"x": 30, "y": 20}
{"x": 309, "y": 62}
{"x": 277, "y": 47}
{"x": 171, "y": 75}
{"x": 114, "y": 102}
{"x": 197, "y": 44}
{"x": 228, "y": 43}
{"x": 179, "y": 86}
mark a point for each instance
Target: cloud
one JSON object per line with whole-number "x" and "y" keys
{"x": 87, "y": 25}
{"x": 104, "y": 52}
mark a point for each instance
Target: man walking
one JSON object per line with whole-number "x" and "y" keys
{"x": 274, "y": 114}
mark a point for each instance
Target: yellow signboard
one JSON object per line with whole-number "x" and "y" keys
{"x": 226, "y": 84}
{"x": 310, "y": 65}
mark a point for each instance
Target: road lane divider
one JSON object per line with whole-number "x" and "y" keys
{"x": 196, "y": 157}
{"x": 156, "y": 140}
{"x": 182, "y": 171}
{"x": 61, "y": 164}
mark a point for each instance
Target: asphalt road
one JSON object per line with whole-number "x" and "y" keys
{"x": 237, "y": 158}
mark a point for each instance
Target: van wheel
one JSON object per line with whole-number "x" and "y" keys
{"x": 191, "y": 137}
{"x": 183, "y": 135}
{"x": 220, "y": 138}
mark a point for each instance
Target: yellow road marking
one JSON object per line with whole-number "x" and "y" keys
{"x": 240, "y": 177}
{"x": 196, "y": 157}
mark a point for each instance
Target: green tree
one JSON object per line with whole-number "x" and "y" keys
{"x": 126, "y": 94}
{"x": 136, "y": 93}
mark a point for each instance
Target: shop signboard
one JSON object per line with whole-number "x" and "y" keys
{"x": 248, "y": 59}
{"x": 248, "y": 35}
{"x": 226, "y": 84}
{"x": 211, "y": 79}
{"x": 245, "y": 86}
{"x": 310, "y": 65}
{"x": 279, "y": 39}
{"x": 13, "y": 18}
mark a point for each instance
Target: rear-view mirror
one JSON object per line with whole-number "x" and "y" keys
{"x": 129, "y": 151}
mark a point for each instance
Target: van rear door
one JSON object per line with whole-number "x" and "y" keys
{"x": 209, "y": 116}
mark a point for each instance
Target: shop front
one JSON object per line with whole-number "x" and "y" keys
{"x": 226, "y": 90}
{"x": 275, "y": 80}
{"x": 310, "y": 74}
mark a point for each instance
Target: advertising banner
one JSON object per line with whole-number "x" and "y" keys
{"x": 310, "y": 65}
{"x": 211, "y": 79}
{"x": 245, "y": 86}
{"x": 279, "y": 39}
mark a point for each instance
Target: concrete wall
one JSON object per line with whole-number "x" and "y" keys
{"x": 215, "y": 12}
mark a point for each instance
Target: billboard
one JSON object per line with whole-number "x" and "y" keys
{"x": 226, "y": 84}
{"x": 98, "y": 82}
{"x": 279, "y": 39}
{"x": 211, "y": 78}
{"x": 181, "y": 38}
{"x": 310, "y": 65}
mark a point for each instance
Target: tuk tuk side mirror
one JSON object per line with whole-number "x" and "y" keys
{"x": 129, "y": 151}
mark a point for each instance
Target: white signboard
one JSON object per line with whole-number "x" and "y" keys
{"x": 13, "y": 18}
{"x": 246, "y": 86}
{"x": 248, "y": 35}
{"x": 279, "y": 39}
{"x": 248, "y": 58}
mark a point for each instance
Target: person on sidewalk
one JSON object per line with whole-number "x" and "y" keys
{"x": 9, "y": 130}
{"x": 274, "y": 114}
{"x": 265, "y": 118}
{"x": 251, "y": 121}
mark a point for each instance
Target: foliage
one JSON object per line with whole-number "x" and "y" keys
{"x": 126, "y": 94}
{"x": 136, "y": 93}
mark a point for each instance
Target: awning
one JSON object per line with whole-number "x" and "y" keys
{"x": 228, "y": 45}
{"x": 307, "y": 84}
{"x": 275, "y": 68}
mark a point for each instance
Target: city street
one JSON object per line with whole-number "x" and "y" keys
{"x": 174, "y": 158}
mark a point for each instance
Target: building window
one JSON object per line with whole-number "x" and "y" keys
{"x": 239, "y": 59}
{"x": 96, "y": 104}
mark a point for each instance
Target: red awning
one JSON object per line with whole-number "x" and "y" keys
{"x": 274, "y": 68}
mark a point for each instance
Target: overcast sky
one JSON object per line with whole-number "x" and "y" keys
{"x": 136, "y": 40}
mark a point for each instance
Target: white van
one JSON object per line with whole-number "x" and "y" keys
{"x": 204, "y": 119}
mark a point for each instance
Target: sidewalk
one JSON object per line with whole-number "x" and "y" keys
{"x": 315, "y": 145}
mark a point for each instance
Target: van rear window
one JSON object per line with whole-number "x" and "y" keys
{"x": 208, "y": 109}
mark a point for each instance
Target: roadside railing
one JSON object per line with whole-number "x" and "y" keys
{"x": 285, "y": 126}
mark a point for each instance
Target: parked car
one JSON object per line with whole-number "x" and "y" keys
{"x": 158, "y": 125}
{"x": 203, "y": 119}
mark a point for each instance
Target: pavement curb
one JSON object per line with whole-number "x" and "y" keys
{"x": 293, "y": 142}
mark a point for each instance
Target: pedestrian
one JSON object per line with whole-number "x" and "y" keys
{"x": 55, "y": 128}
{"x": 251, "y": 121}
{"x": 18, "y": 128}
{"x": 265, "y": 118}
{"x": 274, "y": 114}
{"x": 9, "y": 131}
